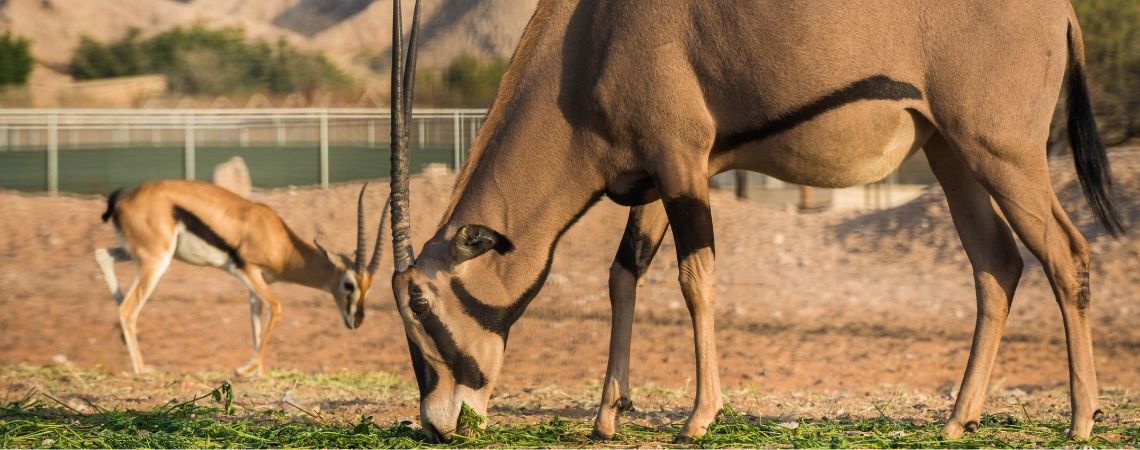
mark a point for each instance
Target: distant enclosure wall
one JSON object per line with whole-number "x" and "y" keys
{"x": 97, "y": 151}
{"x": 100, "y": 150}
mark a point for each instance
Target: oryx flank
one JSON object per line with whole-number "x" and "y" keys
{"x": 206, "y": 225}
{"x": 642, "y": 101}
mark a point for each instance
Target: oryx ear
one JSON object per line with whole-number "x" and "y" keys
{"x": 474, "y": 240}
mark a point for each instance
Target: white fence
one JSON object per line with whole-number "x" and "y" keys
{"x": 50, "y": 130}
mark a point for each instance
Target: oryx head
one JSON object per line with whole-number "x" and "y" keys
{"x": 352, "y": 280}
{"x": 452, "y": 353}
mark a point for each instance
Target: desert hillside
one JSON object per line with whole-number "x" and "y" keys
{"x": 349, "y": 31}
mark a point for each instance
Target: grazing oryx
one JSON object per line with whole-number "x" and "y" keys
{"x": 641, "y": 102}
{"x": 206, "y": 225}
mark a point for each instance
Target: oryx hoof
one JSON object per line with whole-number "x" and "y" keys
{"x": 952, "y": 430}
{"x": 599, "y": 436}
{"x": 684, "y": 440}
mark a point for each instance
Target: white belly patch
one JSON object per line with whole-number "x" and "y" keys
{"x": 193, "y": 250}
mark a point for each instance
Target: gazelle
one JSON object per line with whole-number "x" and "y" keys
{"x": 206, "y": 225}
{"x": 641, "y": 102}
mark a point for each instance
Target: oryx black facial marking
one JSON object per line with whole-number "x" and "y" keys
{"x": 693, "y": 214}
{"x": 198, "y": 228}
{"x": 878, "y": 87}
{"x": 426, "y": 378}
{"x": 496, "y": 319}
{"x": 462, "y": 366}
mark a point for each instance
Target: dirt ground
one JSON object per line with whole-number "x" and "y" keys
{"x": 810, "y": 304}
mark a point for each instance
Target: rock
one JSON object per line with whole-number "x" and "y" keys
{"x": 233, "y": 175}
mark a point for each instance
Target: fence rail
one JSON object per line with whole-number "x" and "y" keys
{"x": 31, "y": 138}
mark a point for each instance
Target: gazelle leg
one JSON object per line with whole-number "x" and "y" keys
{"x": 997, "y": 268}
{"x": 1018, "y": 179}
{"x": 255, "y": 319}
{"x": 151, "y": 269}
{"x": 257, "y": 285}
{"x": 643, "y": 234}
{"x": 106, "y": 258}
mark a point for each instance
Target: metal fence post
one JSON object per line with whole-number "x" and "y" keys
{"x": 324, "y": 149}
{"x": 458, "y": 154}
{"x": 53, "y": 154}
{"x": 188, "y": 150}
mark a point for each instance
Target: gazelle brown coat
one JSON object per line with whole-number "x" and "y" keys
{"x": 203, "y": 224}
{"x": 642, "y": 101}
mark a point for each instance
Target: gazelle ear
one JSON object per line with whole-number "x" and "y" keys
{"x": 474, "y": 240}
{"x": 332, "y": 257}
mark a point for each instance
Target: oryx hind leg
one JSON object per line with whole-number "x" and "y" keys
{"x": 997, "y": 267}
{"x": 643, "y": 234}
{"x": 1017, "y": 176}
{"x": 106, "y": 258}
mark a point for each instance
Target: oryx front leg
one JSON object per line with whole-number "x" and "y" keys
{"x": 259, "y": 290}
{"x": 106, "y": 258}
{"x": 997, "y": 269}
{"x": 687, "y": 207}
{"x": 643, "y": 233}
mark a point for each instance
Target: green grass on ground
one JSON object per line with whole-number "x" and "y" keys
{"x": 69, "y": 407}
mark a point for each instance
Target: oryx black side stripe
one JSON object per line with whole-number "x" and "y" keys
{"x": 878, "y": 87}
{"x": 198, "y": 228}
{"x": 498, "y": 319}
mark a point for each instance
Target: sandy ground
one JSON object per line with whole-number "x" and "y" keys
{"x": 809, "y": 304}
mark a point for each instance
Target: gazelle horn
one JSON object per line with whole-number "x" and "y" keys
{"x": 358, "y": 258}
{"x": 402, "y": 256}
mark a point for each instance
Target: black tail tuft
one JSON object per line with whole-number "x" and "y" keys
{"x": 111, "y": 200}
{"x": 1091, "y": 161}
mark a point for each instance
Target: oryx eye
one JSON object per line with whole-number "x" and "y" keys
{"x": 420, "y": 305}
{"x": 348, "y": 287}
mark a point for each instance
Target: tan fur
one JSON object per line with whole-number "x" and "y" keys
{"x": 611, "y": 97}
{"x": 150, "y": 234}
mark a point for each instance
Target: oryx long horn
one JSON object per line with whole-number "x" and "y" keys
{"x": 402, "y": 255}
{"x": 358, "y": 258}
{"x": 375, "y": 262}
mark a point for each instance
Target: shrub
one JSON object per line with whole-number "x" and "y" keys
{"x": 15, "y": 60}
{"x": 202, "y": 61}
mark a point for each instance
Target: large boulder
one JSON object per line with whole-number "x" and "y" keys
{"x": 233, "y": 175}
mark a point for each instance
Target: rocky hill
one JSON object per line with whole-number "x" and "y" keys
{"x": 349, "y": 31}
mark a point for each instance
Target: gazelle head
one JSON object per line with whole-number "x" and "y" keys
{"x": 352, "y": 280}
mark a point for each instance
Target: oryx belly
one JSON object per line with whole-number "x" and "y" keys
{"x": 854, "y": 144}
{"x": 194, "y": 250}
